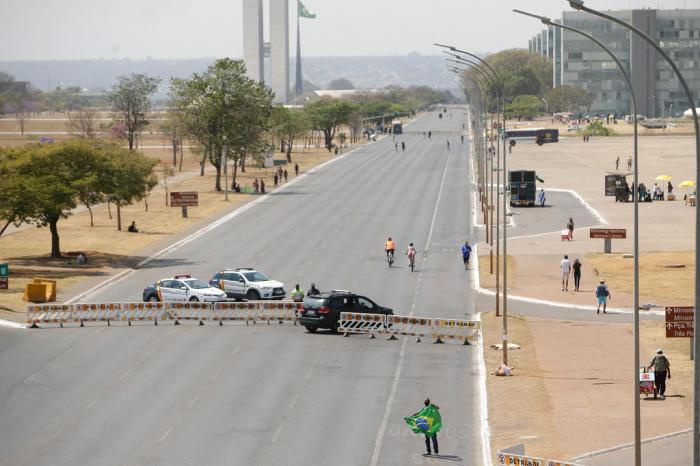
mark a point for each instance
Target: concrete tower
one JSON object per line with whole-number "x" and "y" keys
{"x": 279, "y": 49}
{"x": 253, "y": 39}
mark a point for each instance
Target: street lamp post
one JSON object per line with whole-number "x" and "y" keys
{"x": 635, "y": 197}
{"x": 578, "y": 5}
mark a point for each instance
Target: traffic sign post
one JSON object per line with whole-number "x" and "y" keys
{"x": 608, "y": 234}
{"x": 4, "y": 276}
{"x": 680, "y": 323}
{"x": 184, "y": 199}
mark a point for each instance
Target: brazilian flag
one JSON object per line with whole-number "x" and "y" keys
{"x": 426, "y": 421}
{"x": 304, "y": 13}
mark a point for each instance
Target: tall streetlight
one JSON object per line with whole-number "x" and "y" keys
{"x": 635, "y": 197}
{"x": 501, "y": 94}
{"x": 578, "y": 5}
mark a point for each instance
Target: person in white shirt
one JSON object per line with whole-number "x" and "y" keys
{"x": 565, "y": 271}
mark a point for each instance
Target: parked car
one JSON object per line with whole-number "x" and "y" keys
{"x": 323, "y": 311}
{"x": 182, "y": 288}
{"x": 574, "y": 128}
{"x": 247, "y": 283}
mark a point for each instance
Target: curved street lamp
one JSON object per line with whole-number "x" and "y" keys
{"x": 635, "y": 197}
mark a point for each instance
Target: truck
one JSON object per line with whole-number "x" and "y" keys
{"x": 396, "y": 127}
{"x": 523, "y": 187}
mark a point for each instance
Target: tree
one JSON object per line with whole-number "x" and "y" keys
{"x": 82, "y": 124}
{"x": 287, "y": 126}
{"x": 224, "y": 112}
{"x": 167, "y": 172}
{"x": 567, "y": 99}
{"x": 340, "y": 84}
{"x": 522, "y": 72}
{"x": 525, "y": 106}
{"x": 173, "y": 129}
{"x": 130, "y": 99}
{"x": 327, "y": 114}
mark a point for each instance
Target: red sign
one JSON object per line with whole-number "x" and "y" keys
{"x": 679, "y": 322}
{"x": 605, "y": 233}
{"x": 184, "y": 199}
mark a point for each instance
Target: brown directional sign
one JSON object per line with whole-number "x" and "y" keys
{"x": 4, "y": 283}
{"x": 605, "y": 233}
{"x": 184, "y": 199}
{"x": 679, "y": 322}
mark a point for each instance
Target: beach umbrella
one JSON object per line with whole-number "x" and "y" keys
{"x": 686, "y": 184}
{"x": 663, "y": 178}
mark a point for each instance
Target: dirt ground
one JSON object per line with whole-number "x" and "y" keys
{"x": 570, "y": 392}
{"x": 27, "y": 248}
{"x": 676, "y": 126}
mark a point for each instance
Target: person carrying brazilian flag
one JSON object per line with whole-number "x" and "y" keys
{"x": 428, "y": 422}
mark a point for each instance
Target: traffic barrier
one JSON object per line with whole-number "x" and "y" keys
{"x": 96, "y": 312}
{"x": 356, "y": 322}
{"x": 279, "y": 311}
{"x": 48, "y": 314}
{"x": 408, "y": 326}
{"x": 454, "y": 329}
{"x": 233, "y": 311}
{"x": 145, "y": 312}
{"x": 189, "y": 311}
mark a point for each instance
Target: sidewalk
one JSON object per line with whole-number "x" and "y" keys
{"x": 672, "y": 451}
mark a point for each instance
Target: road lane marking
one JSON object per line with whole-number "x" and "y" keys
{"x": 125, "y": 374}
{"x": 236, "y": 350}
{"x": 293, "y": 403}
{"x": 166, "y": 434}
{"x": 216, "y": 374}
{"x": 194, "y": 401}
{"x": 437, "y": 204}
{"x": 308, "y": 374}
{"x": 277, "y": 433}
{"x": 92, "y": 403}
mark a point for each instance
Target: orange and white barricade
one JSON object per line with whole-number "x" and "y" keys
{"x": 408, "y": 326}
{"x": 279, "y": 311}
{"x": 454, "y": 329}
{"x": 48, "y": 314}
{"x": 189, "y": 311}
{"x": 150, "y": 311}
{"x": 358, "y": 322}
{"x": 96, "y": 312}
{"x": 233, "y": 311}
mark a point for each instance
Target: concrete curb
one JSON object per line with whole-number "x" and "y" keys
{"x": 10, "y": 324}
{"x": 630, "y": 445}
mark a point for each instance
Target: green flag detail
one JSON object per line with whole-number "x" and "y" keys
{"x": 304, "y": 13}
{"x": 426, "y": 421}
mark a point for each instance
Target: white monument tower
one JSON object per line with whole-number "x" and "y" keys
{"x": 254, "y": 48}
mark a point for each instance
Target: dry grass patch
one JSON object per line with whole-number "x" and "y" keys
{"x": 656, "y": 278}
{"x": 488, "y": 280}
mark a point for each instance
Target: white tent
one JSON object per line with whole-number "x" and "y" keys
{"x": 689, "y": 113}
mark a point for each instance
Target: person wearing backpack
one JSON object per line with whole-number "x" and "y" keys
{"x": 662, "y": 368}
{"x": 602, "y": 293}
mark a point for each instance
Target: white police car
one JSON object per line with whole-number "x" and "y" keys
{"x": 182, "y": 288}
{"x": 247, "y": 283}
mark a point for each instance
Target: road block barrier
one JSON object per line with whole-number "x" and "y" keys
{"x": 48, "y": 313}
{"x": 454, "y": 329}
{"x": 280, "y": 312}
{"x": 189, "y": 311}
{"x": 96, "y": 312}
{"x": 151, "y": 311}
{"x": 408, "y": 326}
{"x": 233, "y": 312}
{"x": 357, "y": 322}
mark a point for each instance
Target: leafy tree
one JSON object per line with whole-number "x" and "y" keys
{"x": 173, "y": 129}
{"x": 225, "y": 112}
{"x": 130, "y": 99}
{"x": 341, "y": 84}
{"x": 522, "y": 72}
{"x": 288, "y": 125}
{"x": 597, "y": 128}
{"x": 525, "y": 106}
{"x": 327, "y": 114}
{"x": 567, "y": 99}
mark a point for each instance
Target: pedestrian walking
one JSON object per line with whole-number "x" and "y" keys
{"x": 296, "y": 169}
{"x": 462, "y": 137}
{"x": 430, "y": 134}
{"x": 403, "y": 145}
{"x": 662, "y": 369}
{"x": 396, "y": 146}
{"x": 286, "y": 174}
{"x": 570, "y": 227}
{"x": 466, "y": 252}
{"x": 262, "y": 186}
{"x": 565, "y": 266}
{"x": 256, "y": 186}
{"x": 629, "y": 163}
{"x": 602, "y": 293}
{"x": 428, "y": 422}
{"x": 448, "y": 144}
{"x": 577, "y": 273}
{"x": 541, "y": 197}
{"x": 670, "y": 188}
{"x": 275, "y": 180}
{"x": 617, "y": 163}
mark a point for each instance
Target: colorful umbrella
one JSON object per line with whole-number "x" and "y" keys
{"x": 686, "y": 184}
{"x": 663, "y": 178}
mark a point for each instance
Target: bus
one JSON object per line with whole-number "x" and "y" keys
{"x": 396, "y": 127}
{"x": 537, "y": 135}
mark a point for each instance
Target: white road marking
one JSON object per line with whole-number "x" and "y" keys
{"x": 236, "y": 350}
{"x": 194, "y": 401}
{"x": 293, "y": 403}
{"x": 10, "y": 324}
{"x": 308, "y": 374}
{"x": 125, "y": 374}
{"x": 277, "y": 433}
{"x": 92, "y": 403}
{"x": 437, "y": 203}
{"x": 216, "y": 374}
{"x": 150, "y": 352}
{"x": 166, "y": 434}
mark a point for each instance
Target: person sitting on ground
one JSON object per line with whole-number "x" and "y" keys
{"x": 81, "y": 259}
{"x": 132, "y": 228}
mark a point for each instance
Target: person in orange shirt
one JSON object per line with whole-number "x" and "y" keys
{"x": 389, "y": 247}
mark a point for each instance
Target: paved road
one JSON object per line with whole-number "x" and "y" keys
{"x": 256, "y": 395}
{"x": 666, "y": 452}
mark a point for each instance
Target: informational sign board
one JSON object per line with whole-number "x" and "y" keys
{"x": 608, "y": 233}
{"x": 679, "y": 322}
{"x": 519, "y": 460}
{"x": 184, "y": 199}
{"x": 4, "y": 276}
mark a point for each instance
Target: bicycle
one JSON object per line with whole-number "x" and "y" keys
{"x": 412, "y": 261}
{"x": 390, "y": 257}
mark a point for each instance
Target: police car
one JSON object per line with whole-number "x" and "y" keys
{"x": 182, "y": 288}
{"x": 247, "y": 283}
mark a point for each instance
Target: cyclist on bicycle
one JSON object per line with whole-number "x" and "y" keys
{"x": 389, "y": 247}
{"x": 411, "y": 252}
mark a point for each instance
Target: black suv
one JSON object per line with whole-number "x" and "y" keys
{"x": 323, "y": 310}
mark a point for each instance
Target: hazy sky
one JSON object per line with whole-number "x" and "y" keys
{"x": 75, "y": 29}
